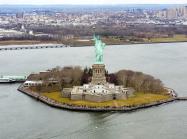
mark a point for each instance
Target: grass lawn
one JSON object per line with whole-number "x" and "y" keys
{"x": 138, "y": 99}
{"x": 176, "y": 38}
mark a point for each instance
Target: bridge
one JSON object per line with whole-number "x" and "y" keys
{"x": 5, "y": 48}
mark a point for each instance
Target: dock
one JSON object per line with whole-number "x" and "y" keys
{"x": 17, "y": 47}
{"x": 182, "y": 98}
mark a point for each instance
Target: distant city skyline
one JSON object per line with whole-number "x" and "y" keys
{"x": 80, "y": 2}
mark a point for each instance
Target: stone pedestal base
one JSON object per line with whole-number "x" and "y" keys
{"x": 98, "y": 77}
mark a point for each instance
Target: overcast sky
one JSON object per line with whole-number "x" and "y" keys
{"x": 93, "y": 1}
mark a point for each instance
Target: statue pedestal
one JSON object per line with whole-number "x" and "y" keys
{"x": 98, "y": 77}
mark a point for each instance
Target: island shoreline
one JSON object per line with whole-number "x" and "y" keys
{"x": 53, "y": 103}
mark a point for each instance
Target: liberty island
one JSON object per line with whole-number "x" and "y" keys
{"x": 62, "y": 87}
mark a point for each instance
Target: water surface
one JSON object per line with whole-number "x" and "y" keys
{"x": 22, "y": 117}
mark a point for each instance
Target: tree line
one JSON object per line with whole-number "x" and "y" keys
{"x": 136, "y": 32}
{"x": 139, "y": 81}
{"x": 76, "y": 76}
{"x": 105, "y": 30}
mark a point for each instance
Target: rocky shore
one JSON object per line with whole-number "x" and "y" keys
{"x": 56, "y": 104}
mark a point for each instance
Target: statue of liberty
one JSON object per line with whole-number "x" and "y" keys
{"x": 99, "y": 46}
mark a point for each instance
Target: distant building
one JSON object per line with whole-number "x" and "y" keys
{"x": 50, "y": 85}
{"x": 69, "y": 36}
{"x": 162, "y": 14}
{"x": 23, "y": 28}
{"x": 173, "y": 13}
{"x": 20, "y": 15}
{"x": 31, "y": 32}
{"x": 185, "y": 12}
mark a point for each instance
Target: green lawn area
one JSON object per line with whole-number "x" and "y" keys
{"x": 138, "y": 99}
{"x": 176, "y": 38}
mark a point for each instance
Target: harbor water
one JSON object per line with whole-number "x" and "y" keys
{"x": 22, "y": 117}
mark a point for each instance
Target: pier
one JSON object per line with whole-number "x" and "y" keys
{"x": 5, "y": 48}
{"x": 182, "y": 98}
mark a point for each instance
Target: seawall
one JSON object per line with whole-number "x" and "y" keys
{"x": 56, "y": 104}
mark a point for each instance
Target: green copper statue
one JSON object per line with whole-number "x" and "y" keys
{"x": 99, "y": 46}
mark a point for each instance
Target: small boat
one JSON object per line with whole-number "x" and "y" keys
{"x": 12, "y": 79}
{"x": 6, "y": 80}
{"x": 16, "y": 78}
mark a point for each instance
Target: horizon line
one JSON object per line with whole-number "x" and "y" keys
{"x": 101, "y": 4}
